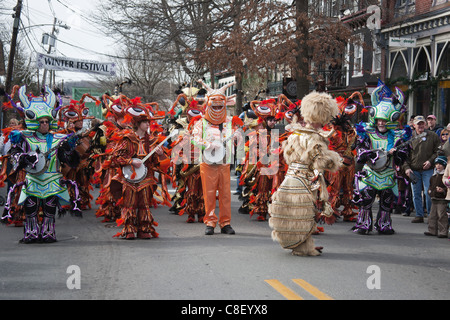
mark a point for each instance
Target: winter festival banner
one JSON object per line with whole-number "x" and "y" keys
{"x": 49, "y": 62}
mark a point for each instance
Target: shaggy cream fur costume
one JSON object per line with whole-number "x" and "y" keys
{"x": 303, "y": 191}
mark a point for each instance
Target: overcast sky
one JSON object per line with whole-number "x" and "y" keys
{"x": 84, "y": 40}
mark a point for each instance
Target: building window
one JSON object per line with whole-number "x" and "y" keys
{"x": 404, "y": 7}
{"x": 438, "y": 2}
{"x": 358, "y": 59}
{"x": 376, "y": 61}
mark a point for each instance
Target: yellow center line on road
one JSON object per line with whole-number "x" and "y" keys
{"x": 312, "y": 290}
{"x": 285, "y": 291}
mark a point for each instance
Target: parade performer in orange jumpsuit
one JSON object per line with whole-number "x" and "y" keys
{"x": 209, "y": 134}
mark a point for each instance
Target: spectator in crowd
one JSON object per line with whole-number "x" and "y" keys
{"x": 433, "y": 125}
{"x": 437, "y": 219}
{"x": 5, "y": 147}
{"x": 445, "y": 148}
{"x": 411, "y": 121}
{"x": 444, "y": 138}
{"x": 419, "y": 165}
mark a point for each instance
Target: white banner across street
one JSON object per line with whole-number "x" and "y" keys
{"x": 49, "y": 62}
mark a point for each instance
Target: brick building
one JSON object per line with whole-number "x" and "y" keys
{"x": 422, "y": 67}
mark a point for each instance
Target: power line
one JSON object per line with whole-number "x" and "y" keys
{"x": 51, "y": 8}
{"x": 91, "y": 22}
{"x": 109, "y": 55}
{"x": 85, "y": 17}
{"x": 29, "y": 42}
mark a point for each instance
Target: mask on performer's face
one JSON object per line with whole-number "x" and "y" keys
{"x": 216, "y": 111}
{"x": 216, "y": 103}
{"x": 266, "y": 110}
{"x": 37, "y": 108}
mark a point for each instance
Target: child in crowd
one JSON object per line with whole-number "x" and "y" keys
{"x": 438, "y": 218}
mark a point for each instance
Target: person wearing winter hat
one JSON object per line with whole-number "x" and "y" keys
{"x": 438, "y": 220}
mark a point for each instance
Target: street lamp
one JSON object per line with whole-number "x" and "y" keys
{"x": 60, "y": 25}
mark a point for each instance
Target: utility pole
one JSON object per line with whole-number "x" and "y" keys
{"x": 44, "y": 77}
{"x": 12, "y": 52}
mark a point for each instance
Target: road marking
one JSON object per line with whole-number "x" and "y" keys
{"x": 291, "y": 295}
{"x": 285, "y": 291}
{"x": 312, "y": 290}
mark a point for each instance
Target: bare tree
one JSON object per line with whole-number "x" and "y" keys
{"x": 250, "y": 45}
{"x": 246, "y": 37}
{"x": 172, "y": 28}
{"x": 148, "y": 78}
{"x": 266, "y": 34}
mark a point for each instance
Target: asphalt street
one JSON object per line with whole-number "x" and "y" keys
{"x": 184, "y": 264}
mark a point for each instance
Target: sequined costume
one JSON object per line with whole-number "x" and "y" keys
{"x": 13, "y": 213}
{"x": 378, "y": 175}
{"x": 45, "y": 188}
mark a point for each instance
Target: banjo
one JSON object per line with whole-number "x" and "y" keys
{"x": 381, "y": 161}
{"x": 217, "y": 154}
{"x": 42, "y": 162}
{"x": 136, "y": 175}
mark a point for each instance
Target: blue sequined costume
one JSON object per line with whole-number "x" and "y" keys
{"x": 45, "y": 189}
{"x": 378, "y": 174}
